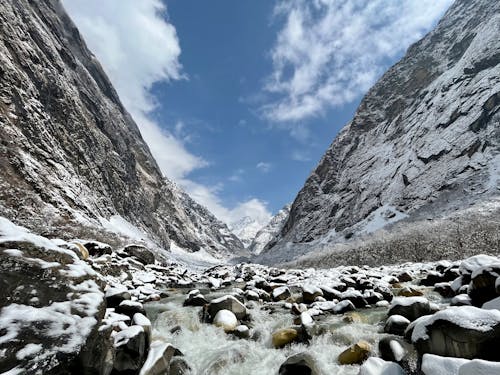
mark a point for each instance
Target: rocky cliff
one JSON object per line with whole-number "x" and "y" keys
{"x": 71, "y": 155}
{"x": 425, "y": 140}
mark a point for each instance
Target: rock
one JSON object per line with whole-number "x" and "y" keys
{"x": 410, "y": 292}
{"x": 356, "y": 354}
{"x": 195, "y": 299}
{"x": 116, "y": 295}
{"x": 343, "y": 307}
{"x": 432, "y": 278}
{"x": 464, "y": 332}
{"x": 281, "y": 293}
{"x": 158, "y": 360}
{"x": 242, "y": 332}
{"x": 298, "y": 308}
{"x": 482, "y": 287}
{"x": 252, "y": 295}
{"x": 130, "y": 346}
{"x": 396, "y": 325}
{"x": 444, "y": 289}
{"x": 284, "y": 337}
{"x": 355, "y": 297}
{"x": 410, "y": 307}
{"x": 141, "y": 253}
{"x": 479, "y": 367}
{"x": 310, "y": 292}
{"x": 377, "y": 366}
{"x": 391, "y": 349}
{"x": 330, "y": 293}
{"x": 97, "y": 249}
{"x": 404, "y": 277}
{"x": 299, "y": 364}
{"x": 141, "y": 320}
{"x": 179, "y": 366}
{"x": 130, "y": 308}
{"x": 226, "y": 320}
{"x": 433, "y": 364}
{"x": 50, "y": 299}
{"x": 305, "y": 319}
{"x": 227, "y": 303}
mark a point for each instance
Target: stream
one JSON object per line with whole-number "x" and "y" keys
{"x": 210, "y": 351}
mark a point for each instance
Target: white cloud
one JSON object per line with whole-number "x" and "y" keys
{"x": 331, "y": 51}
{"x": 237, "y": 176}
{"x": 264, "y": 167}
{"x": 137, "y": 48}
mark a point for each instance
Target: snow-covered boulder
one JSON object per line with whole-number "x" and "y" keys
{"x": 396, "y": 325}
{"x": 410, "y": 307}
{"x": 482, "y": 287}
{"x": 226, "y": 320}
{"x": 281, "y": 293}
{"x": 433, "y": 364}
{"x": 130, "y": 349}
{"x": 310, "y": 292}
{"x": 464, "y": 332}
{"x": 227, "y": 303}
{"x": 377, "y": 366}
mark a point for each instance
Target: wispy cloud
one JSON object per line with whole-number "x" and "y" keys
{"x": 264, "y": 167}
{"x": 329, "y": 52}
{"x": 299, "y": 155}
{"x": 138, "y": 47}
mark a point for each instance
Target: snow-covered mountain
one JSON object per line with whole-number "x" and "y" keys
{"x": 245, "y": 229}
{"x": 424, "y": 142}
{"x": 265, "y": 235}
{"x": 73, "y": 160}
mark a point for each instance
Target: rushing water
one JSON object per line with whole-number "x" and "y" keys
{"x": 210, "y": 351}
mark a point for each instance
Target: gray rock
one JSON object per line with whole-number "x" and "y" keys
{"x": 301, "y": 363}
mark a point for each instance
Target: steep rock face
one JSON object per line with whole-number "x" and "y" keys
{"x": 70, "y": 153}
{"x": 423, "y": 142}
{"x": 265, "y": 236}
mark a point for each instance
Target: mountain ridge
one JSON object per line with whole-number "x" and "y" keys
{"x": 424, "y": 141}
{"x": 71, "y": 153}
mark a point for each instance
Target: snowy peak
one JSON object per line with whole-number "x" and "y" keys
{"x": 72, "y": 157}
{"x": 264, "y": 237}
{"x": 425, "y": 140}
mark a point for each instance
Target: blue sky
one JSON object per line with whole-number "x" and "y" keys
{"x": 238, "y": 100}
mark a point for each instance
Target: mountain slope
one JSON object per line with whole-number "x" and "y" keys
{"x": 425, "y": 140}
{"x": 71, "y": 155}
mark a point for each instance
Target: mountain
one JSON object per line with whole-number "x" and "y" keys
{"x": 73, "y": 160}
{"x": 423, "y": 143}
{"x": 265, "y": 235}
{"x": 245, "y": 229}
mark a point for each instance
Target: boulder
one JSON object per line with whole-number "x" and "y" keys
{"x": 227, "y": 302}
{"x": 482, "y": 287}
{"x": 97, "y": 249}
{"x": 391, "y": 349}
{"x": 433, "y": 277}
{"x": 310, "y": 292}
{"x": 226, "y": 320}
{"x": 461, "y": 300}
{"x": 464, "y": 332}
{"x": 355, "y": 297}
{"x": 242, "y": 332}
{"x": 252, "y": 295}
{"x": 158, "y": 360}
{"x": 179, "y": 366}
{"x": 377, "y": 366}
{"x": 410, "y": 292}
{"x": 130, "y": 308}
{"x": 195, "y": 298}
{"x": 281, "y": 293}
{"x": 410, "y": 307}
{"x": 141, "y": 320}
{"x": 116, "y": 295}
{"x": 130, "y": 348}
{"x": 284, "y": 337}
{"x": 404, "y": 277}
{"x": 299, "y": 364}
{"x": 37, "y": 317}
{"x": 436, "y": 365}
{"x": 355, "y": 354}
{"x": 343, "y": 307}
{"x": 444, "y": 289}
{"x": 396, "y": 325}
{"x": 141, "y": 253}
